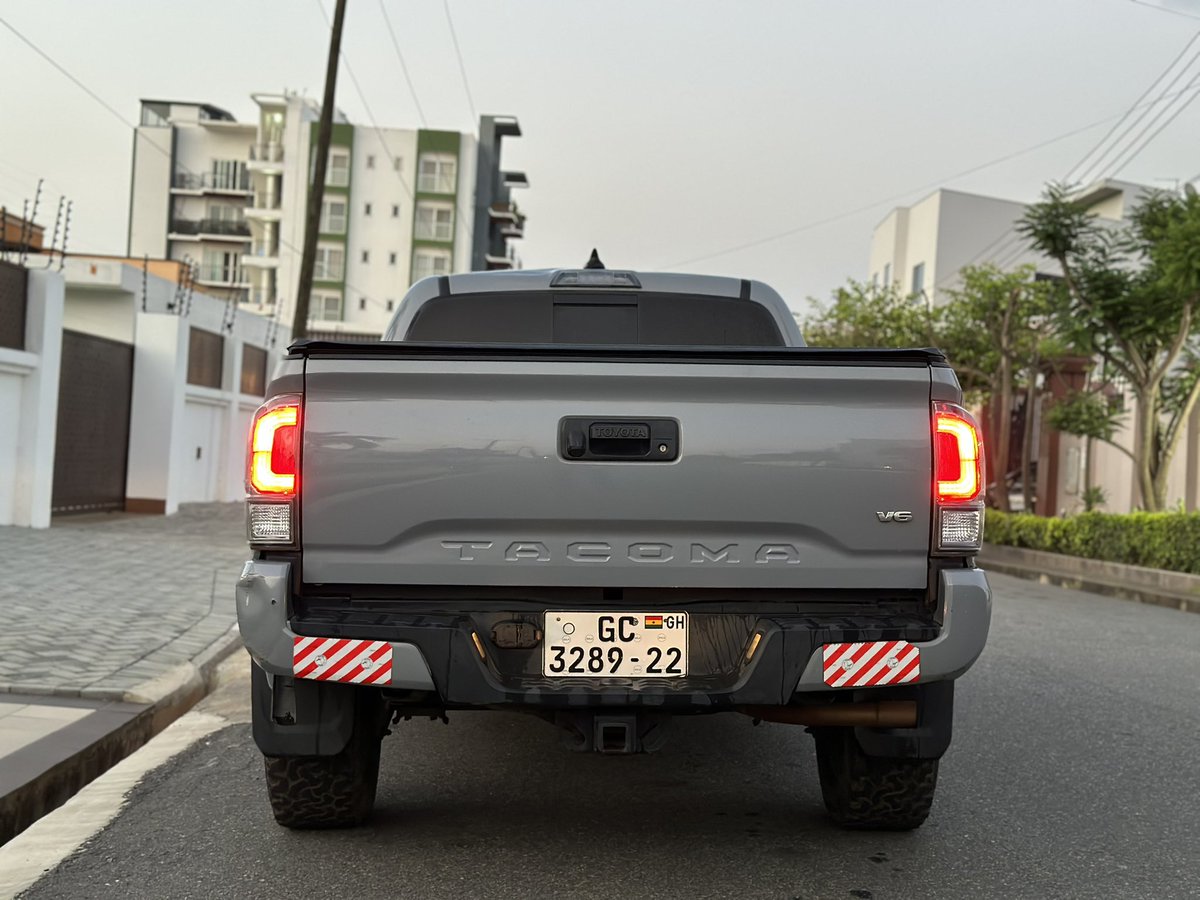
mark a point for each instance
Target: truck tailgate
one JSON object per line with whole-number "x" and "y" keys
{"x": 447, "y": 470}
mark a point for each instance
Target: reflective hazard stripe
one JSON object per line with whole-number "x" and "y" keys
{"x": 871, "y": 664}
{"x": 342, "y": 659}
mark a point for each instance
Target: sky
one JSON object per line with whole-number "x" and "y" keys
{"x": 663, "y": 132}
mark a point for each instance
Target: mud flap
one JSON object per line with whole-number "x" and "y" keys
{"x": 297, "y": 717}
{"x": 928, "y": 740}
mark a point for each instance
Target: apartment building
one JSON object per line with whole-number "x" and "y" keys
{"x": 231, "y": 198}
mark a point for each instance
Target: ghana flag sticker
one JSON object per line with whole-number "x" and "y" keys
{"x": 654, "y": 621}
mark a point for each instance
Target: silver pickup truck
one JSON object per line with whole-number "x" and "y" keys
{"x": 608, "y": 498}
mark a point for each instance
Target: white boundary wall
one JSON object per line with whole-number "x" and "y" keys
{"x": 29, "y": 406}
{"x": 186, "y": 442}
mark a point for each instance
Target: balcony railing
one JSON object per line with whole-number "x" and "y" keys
{"x": 224, "y": 227}
{"x": 223, "y": 274}
{"x": 262, "y": 249}
{"x": 503, "y": 211}
{"x": 502, "y": 259}
{"x": 266, "y": 152}
{"x": 514, "y": 229}
{"x": 262, "y": 296}
{"x": 207, "y": 181}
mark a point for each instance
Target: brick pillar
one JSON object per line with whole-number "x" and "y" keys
{"x": 1064, "y": 376}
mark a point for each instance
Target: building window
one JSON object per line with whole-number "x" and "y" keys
{"x": 874, "y": 279}
{"x": 887, "y": 275}
{"x": 333, "y": 217}
{"x": 366, "y": 256}
{"x": 435, "y": 221}
{"x": 395, "y": 210}
{"x": 918, "y": 279}
{"x": 254, "y": 370}
{"x": 362, "y": 302}
{"x": 329, "y": 264}
{"x": 396, "y": 163}
{"x": 430, "y": 262}
{"x": 327, "y": 307}
{"x": 226, "y": 212}
{"x": 391, "y": 304}
{"x": 391, "y": 259}
{"x": 206, "y": 357}
{"x": 437, "y": 173}
{"x": 337, "y": 173}
{"x": 230, "y": 175}
{"x": 366, "y": 209}
{"x": 370, "y": 161}
{"x": 222, "y": 267}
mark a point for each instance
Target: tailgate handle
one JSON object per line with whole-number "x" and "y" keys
{"x": 632, "y": 440}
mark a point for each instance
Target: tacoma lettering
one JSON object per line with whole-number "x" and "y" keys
{"x": 592, "y": 552}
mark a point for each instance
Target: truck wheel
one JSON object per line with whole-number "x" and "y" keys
{"x": 329, "y": 791}
{"x": 866, "y": 792}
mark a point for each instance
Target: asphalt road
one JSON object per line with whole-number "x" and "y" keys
{"x": 1073, "y": 774}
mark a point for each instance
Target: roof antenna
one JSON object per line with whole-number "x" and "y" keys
{"x": 594, "y": 261}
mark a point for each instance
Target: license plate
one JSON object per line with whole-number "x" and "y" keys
{"x": 615, "y": 645}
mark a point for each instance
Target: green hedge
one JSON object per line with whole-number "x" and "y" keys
{"x": 1156, "y": 540}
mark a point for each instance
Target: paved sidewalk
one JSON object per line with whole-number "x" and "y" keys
{"x": 112, "y": 625}
{"x": 95, "y": 606}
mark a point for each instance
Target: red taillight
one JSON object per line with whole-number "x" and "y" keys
{"x": 275, "y": 449}
{"x": 957, "y": 460}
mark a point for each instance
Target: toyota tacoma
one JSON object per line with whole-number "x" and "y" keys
{"x": 608, "y": 498}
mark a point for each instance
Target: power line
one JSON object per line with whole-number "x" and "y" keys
{"x": 1165, "y": 9}
{"x": 345, "y": 60}
{"x": 1097, "y": 168}
{"x": 1136, "y": 146}
{"x": 403, "y": 67}
{"x": 1135, "y": 149}
{"x": 869, "y": 206}
{"x": 461, "y": 66}
{"x": 79, "y": 84}
{"x": 1008, "y": 248}
{"x": 92, "y": 94}
{"x": 1116, "y": 125}
{"x": 464, "y": 219}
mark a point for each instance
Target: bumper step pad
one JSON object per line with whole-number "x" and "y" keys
{"x": 871, "y": 664}
{"x": 342, "y": 659}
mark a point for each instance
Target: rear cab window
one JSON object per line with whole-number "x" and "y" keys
{"x": 550, "y": 317}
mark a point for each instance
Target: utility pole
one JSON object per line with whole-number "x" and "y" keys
{"x": 317, "y": 193}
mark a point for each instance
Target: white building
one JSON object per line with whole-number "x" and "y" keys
{"x": 921, "y": 249}
{"x": 399, "y": 205}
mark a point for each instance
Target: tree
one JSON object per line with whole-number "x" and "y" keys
{"x": 996, "y": 331}
{"x": 1131, "y": 297}
{"x": 864, "y": 315}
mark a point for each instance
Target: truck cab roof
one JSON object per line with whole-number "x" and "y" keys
{"x": 595, "y": 306}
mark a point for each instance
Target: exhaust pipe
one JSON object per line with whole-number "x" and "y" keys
{"x": 884, "y": 714}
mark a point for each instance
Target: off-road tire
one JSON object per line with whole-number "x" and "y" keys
{"x": 866, "y": 792}
{"x": 329, "y": 791}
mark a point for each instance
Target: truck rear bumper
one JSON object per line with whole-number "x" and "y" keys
{"x": 442, "y": 655}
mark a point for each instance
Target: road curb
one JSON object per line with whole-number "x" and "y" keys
{"x": 166, "y": 698}
{"x": 1173, "y": 590}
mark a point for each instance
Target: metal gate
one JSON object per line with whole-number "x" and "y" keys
{"x": 92, "y": 445}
